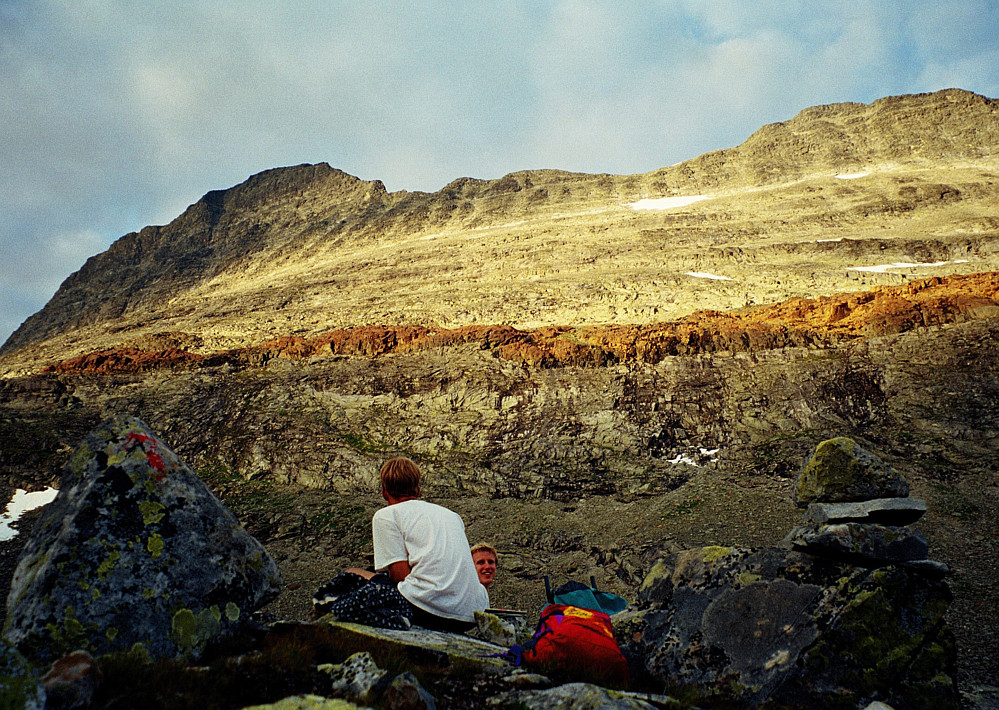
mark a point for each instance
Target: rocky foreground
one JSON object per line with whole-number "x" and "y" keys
{"x": 135, "y": 564}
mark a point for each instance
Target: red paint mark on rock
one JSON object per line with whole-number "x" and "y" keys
{"x": 148, "y": 446}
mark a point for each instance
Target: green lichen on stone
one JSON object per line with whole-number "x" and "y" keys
{"x": 105, "y": 567}
{"x": 155, "y": 545}
{"x": 152, "y": 511}
{"x": 659, "y": 570}
{"x": 148, "y": 593}
{"x": 746, "y": 578}
{"x": 192, "y": 631}
{"x": 256, "y": 561}
{"x": 68, "y": 636}
{"x": 231, "y": 611}
{"x": 829, "y": 471}
{"x": 78, "y": 462}
{"x": 111, "y": 633}
{"x": 713, "y": 553}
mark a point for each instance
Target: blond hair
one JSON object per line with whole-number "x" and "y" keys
{"x": 483, "y": 547}
{"x": 400, "y": 478}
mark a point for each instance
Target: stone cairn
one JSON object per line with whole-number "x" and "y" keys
{"x": 858, "y": 510}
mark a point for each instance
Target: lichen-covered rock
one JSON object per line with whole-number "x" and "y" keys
{"x": 356, "y": 678}
{"x": 786, "y": 626}
{"x": 864, "y": 544}
{"x": 306, "y": 702}
{"x": 437, "y": 650}
{"x": 842, "y": 471}
{"x": 574, "y": 696}
{"x": 493, "y": 629}
{"x": 883, "y": 511}
{"x": 20, "y": 686}
{"x": 135, "y": 550}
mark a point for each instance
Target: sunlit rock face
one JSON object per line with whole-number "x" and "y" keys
{"x": 134, "y": 550}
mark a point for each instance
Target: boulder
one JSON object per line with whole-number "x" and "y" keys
{"x": 135, "y": 550}
{"x": 884, "y": 511}
{"x": 783, "y": 626}
{"x": 842, "y": 471}
{"x": 860, "y": 543}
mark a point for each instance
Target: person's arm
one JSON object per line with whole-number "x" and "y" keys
{"x": 398, "y": 571}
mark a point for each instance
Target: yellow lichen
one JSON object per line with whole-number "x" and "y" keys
{"x": 105, "y": 567}
{"x": 152, "y": 511}
{"x": 191, "y": 631}
{"x": 155, "y": 545}
{"x": 659, "y": 570}
{"x": 715, "y": 553}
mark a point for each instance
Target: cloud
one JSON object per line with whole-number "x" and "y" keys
{"x": 118, "y": 114}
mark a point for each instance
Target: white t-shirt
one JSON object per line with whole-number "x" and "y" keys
{"x": 432, "y": 539}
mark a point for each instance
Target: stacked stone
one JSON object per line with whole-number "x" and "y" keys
{"x": 858, "y": 510}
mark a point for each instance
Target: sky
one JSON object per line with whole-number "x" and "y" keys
{"x": 119, "y": 114}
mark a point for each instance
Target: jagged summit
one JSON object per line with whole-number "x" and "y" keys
{"x": 306, "y": 249}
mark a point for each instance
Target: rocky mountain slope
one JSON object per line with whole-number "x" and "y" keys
{"x": 798, "y": 210}
{"x": 591, "y": 383}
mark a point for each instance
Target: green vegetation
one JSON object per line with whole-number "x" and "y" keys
{"x": 356, "y": 442}
{"x": 683, "y": 508}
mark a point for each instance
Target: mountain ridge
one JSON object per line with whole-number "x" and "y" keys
{"x": 295, "y": 239}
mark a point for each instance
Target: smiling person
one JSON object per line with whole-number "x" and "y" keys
{"x": 484, "y": 557}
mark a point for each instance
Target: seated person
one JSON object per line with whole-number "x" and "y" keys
{"x": 484, "y": 557}
{"x": 424, "y": 569}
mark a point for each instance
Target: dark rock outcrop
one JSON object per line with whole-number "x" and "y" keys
{"x": 848, "y": 613}
{"x": 134, "y": 550}
{"x": 786, "y": 626}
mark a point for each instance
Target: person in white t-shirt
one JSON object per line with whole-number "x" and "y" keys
{"x": 423, "y": 549}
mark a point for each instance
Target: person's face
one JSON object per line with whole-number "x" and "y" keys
{"x": 485, "y": 565}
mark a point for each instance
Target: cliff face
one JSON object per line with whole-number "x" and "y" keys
{"x": 589, "y": 382}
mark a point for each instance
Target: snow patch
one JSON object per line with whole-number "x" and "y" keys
{"x": 705, "y": 275}
{"x": 883, "y": 268}
{"x": 851, "y": 176}
{"x": 820, "y": 241}
{"x": 20, "y": 504}
{"x": 666, "y": 203}
{"x": 701, "y": 457}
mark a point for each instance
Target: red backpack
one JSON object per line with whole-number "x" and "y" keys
{"x": 574, "y": 641}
